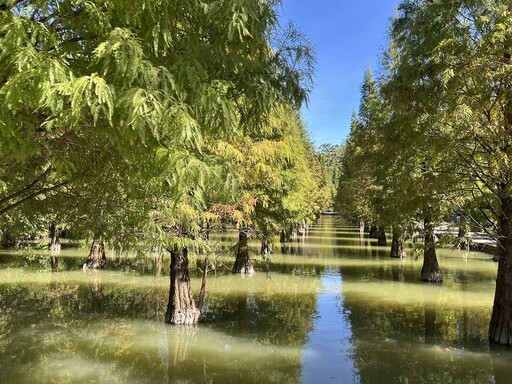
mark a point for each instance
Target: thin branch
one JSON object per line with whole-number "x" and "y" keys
{"x": 24, "y": 189}
{"x": 30, "y": 197}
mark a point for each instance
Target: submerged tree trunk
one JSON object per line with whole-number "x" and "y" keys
{"x": 54, "y": 245}
{"x": 243, "y": 263}
{"x": 382, "y": 241}
{"x": 284, "y": 237}
{"x": 181, "y": 308}
{"x": 294, "y": 232}
{"x": 464, "y": 236}
{"x": 398, "y": 245}
{"x": 430, "y": 271}
{"x": 374, "y": 232}
{"x": 266, "y": 247}
{"x": 97, "y": 258}
{"x": 500, "y": 327}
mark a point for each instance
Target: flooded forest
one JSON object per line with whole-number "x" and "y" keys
{"x": 166, "y": 215}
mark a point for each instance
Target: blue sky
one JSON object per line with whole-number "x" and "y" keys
{"x": 349, "y": 36}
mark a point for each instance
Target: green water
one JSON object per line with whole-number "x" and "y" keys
{"x": 329, "y": 309}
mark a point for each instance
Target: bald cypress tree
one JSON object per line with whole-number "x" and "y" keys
{"x": 110, "y": 108}
{"x": 452, "y": 77}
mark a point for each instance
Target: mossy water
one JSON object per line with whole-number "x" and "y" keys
{"x": 328, "y": 308}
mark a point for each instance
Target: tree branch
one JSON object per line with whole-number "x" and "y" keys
{"x": 30, "y": 197}
{"x": 24, "y": 189}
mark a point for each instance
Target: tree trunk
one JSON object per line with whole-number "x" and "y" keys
{"x": 382, "y": 241}
{"x": 266, "y": 247}
{"x": 374, "y": 232}
{"x": 181, "y": 308}
{"x": 398, "y": 245}
{"x": 302, "y": 229}
{"x": 500, "y": 327}
{"x": 430, "y": 271}
{"x": 204, "y": 233}
{"x": 97, "y": 258}
{"x": 203, "y": 286}
{"x": 54, "y": 245}
{"x": 464, "y": 236}
{"x": 294, "y": 232}
{"x": 284, "y": 237}
{"x": 243, "y": 263}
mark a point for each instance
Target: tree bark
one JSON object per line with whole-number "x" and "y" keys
{"x": 382, "y": 241}
{"x": 203, "y": 286}
{"x": 430, "y": 271}
{"x": 54, "y": 245}
{"x": 243, "y": 263}
{"x": 374, "y": 232}
{"x": 266, "y": 247}
{"x": 284, "y": 237}
{"x": 294, "y": 232}
{"x": 464, "y": 236}
{"x": 500, "y": 327}
{"x": 361, "y": 229}
{"x": 398, "y": 245}
{"x": 97, "y": 258}
{"x": 181, "y": 308}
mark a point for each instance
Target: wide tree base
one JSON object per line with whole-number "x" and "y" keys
{"x": 189, "y": 316}
{"x": 246, "y": 268}
{"x": 243, "y": 264}
{"x": 382, "y": 240}
{"x": 432, "y": 277}
{"x": 97, "y": 258}
{"x": 181, "y": 308}
{"x": 398, "y": 247}
{"x": 266, "y": 247}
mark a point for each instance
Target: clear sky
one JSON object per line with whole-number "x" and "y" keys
{"x": 349, "y": 36}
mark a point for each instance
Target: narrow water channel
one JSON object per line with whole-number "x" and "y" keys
{"x": 327, "y": 355}
{"x": 331, "y": 308}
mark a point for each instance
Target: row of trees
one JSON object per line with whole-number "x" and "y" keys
{"x": 433, "y": 136}
{"x": 151, "y": 122}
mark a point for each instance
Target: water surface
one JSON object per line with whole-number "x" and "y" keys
{"x": 329, "y": 308}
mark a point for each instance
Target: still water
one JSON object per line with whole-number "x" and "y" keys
{"x": 329, "y": 309}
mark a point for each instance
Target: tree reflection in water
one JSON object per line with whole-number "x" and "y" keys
{"x": 107, "y": 326}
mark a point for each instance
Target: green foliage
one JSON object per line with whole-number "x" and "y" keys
{"x": 358, "y": 184}
{"x": 450, "y": 79}
{"x": 114, "y": 112}
{"x": 279, "y": 180}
